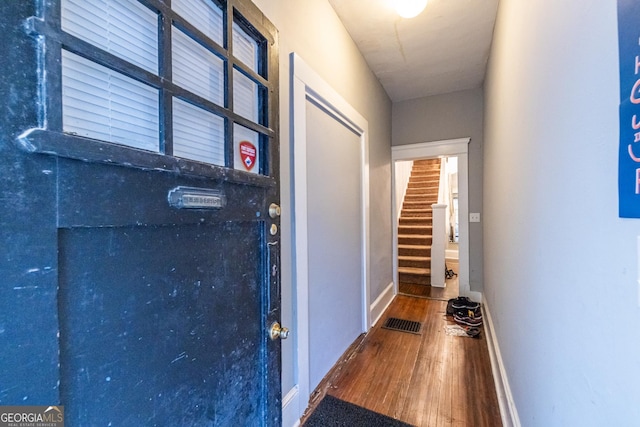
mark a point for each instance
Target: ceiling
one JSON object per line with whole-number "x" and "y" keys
{"x": 444, "y": 49}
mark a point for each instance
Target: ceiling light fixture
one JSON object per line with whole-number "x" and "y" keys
{"x": 410, "y": 8}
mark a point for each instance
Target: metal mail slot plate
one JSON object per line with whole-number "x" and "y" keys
{"x": 196, "y": 198}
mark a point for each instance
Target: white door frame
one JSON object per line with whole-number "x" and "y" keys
{"x": 450, "y": 147}
{"x": 307, "y": 84}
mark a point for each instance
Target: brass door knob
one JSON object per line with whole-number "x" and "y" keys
{"x": 276, "y": 331}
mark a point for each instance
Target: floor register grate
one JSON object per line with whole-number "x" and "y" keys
{"x": 403, "y": 325}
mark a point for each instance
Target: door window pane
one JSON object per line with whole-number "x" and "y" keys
{"x": 245, "y": 96}
{"x": 245, "y": 48}
{"x": 196, "y": 68}
{"x": 124, "y": 28}
{"x": 202, "y": 14}
{"x": 246, "y": 144}
{"x": 100, "y": 103}
{"x": 197, "y": 134}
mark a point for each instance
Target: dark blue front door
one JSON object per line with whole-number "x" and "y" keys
{"x": 124, "y": 307}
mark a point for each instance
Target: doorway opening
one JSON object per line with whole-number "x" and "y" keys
{"x": 426, "y": 237}
{"x": 457, "y": 238}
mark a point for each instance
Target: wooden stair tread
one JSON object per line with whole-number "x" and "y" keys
{"x": 415, "y": 227}
{"x": 422, "y": 204}
{"x": 405, "y": 246}
{"x": 424, "y": 180}
{"x": 422, "y": 210}
{"x": 415, "y": 203}
{"x": 414, "y": 270}
{"x": 414, "y": 258}
{"x": 418, "y": 205}
{"x": 420, "y": 192}
{"x": 421, "y": 198}
{"x": 412, "y": 221}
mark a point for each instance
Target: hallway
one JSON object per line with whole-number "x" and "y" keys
{"x": 431, "y": 379}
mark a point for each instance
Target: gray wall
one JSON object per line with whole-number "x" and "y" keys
{"x": 560, "y": 266}
{"x": 312, "y": 29}
{"x": 450, "y": 116}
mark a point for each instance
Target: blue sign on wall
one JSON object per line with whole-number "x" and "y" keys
{"x": 629, "y": 155}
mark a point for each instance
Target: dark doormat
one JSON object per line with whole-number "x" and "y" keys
{"x": 333, "y": 412}
{"x": 403, "y": 325}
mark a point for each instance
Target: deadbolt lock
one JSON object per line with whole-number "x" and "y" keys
{"x": 274, "y": 210}
{"x": 276, "y": 331}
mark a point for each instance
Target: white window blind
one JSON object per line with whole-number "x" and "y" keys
{"x": 197, "y": 134}
{"x": 124, "y": 28}
{"x": 245, "y": 47}
{"x": 202, "y": 14}
{"x": 196, "y": 68}
{"x": 245, "y": 96}
{"x": 100, "y": 103}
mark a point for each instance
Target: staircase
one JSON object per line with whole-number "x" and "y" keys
{"x": 415, "y": 223}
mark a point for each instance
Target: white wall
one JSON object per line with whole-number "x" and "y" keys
{"x": 312, "y": 29}
{"x": 450, "y": 116}
{"x": 560, "y": 266}
{"x": 403, "y": 173}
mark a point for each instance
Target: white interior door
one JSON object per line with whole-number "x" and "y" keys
{"x": 335, "y": 252}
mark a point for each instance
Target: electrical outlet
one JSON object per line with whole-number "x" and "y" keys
{"x": 474, "y": 217}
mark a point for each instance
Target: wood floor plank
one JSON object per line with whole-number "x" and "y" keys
{"x": 426, "y": 380}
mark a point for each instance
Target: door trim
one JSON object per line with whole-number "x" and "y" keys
{"x": 451, "y": 147}
{"x": 307, "y": 84}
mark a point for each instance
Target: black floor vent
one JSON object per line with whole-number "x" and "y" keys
{"x": 402, "y": 325}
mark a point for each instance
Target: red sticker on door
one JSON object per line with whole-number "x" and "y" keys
{"x": 248, "y": 154}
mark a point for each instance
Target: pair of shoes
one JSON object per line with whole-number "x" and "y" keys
{"x": 461, "y": 303}
{"x": 463, "y": 319}
{"x": 476, "y": 313}
{"x": 464, "y": 302}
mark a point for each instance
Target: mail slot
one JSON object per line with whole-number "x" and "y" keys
{"x": 196, "y": 198}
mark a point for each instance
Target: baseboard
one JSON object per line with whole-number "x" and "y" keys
{"x": 290, "y": 408}
{"x": 380, "y": 304}
{"x": 508, "y": 409}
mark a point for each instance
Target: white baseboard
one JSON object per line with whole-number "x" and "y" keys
{"x": 290, "y": 408}
{"x": 508, "y": 409}
{"x": 380, "y": 304}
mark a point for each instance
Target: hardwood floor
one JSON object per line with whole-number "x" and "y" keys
{"x": 432, "y": 379}
{"x": 450, "y": 290}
